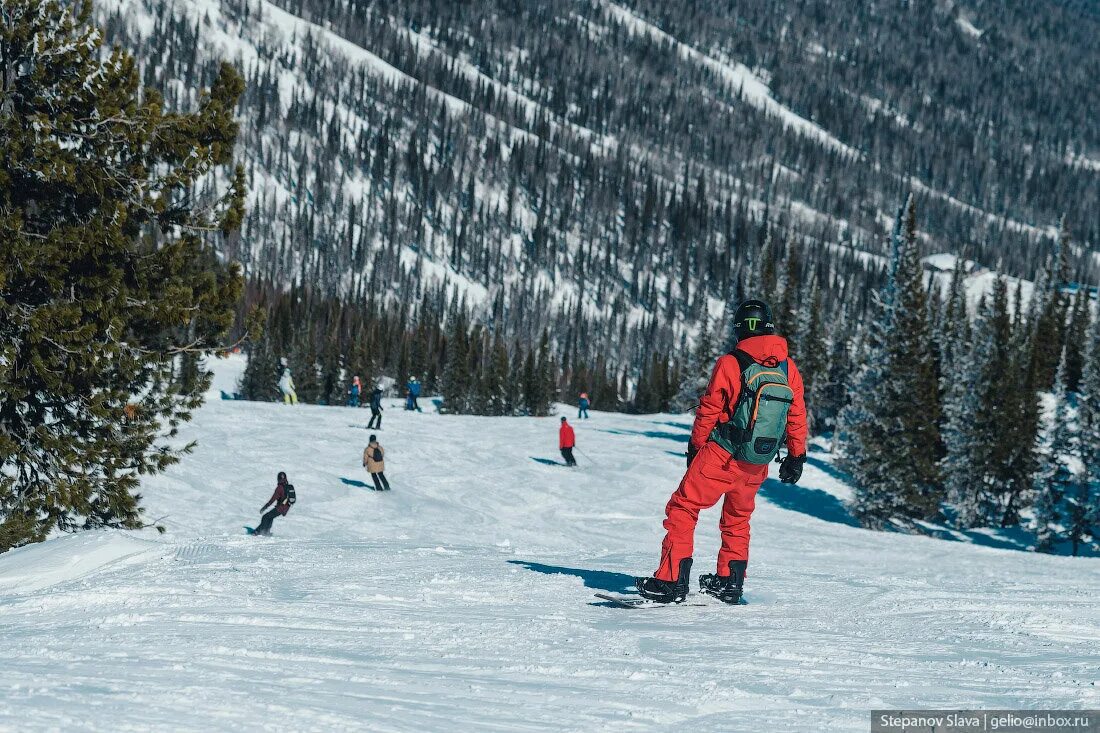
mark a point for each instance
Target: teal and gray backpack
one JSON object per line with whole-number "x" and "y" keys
{"x": 759, "y": 419}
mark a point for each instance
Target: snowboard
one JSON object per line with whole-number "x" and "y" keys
{"x": 638, "y": 602}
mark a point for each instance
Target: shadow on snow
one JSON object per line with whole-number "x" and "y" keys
{"x": 662, "y": 435}
{"x": 547, "y": 461}
{"x": 806, "y": 500}
{"x": 597, "y": 579}
{"x": 672, "y": 423}
{"x": 354, "y": 482}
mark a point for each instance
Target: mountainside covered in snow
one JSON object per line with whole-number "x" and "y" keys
{"x": 463, "y": 599}
{"x": 603, "y": 162}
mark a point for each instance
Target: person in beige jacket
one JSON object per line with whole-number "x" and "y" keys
{"x": 374, "y": 460}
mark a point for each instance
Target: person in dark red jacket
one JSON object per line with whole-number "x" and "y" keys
{"x": 713, "y": 474}
{"x": 280, "y": 500}
{"x": 566, "y": 442}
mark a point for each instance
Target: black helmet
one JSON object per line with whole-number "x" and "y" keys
{"x": 282, "y": 477}
{"x": 753, "y": 318}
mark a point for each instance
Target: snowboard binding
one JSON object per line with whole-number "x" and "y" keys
{"x": 666, "y": 591}
{"x": 728, "y": 588}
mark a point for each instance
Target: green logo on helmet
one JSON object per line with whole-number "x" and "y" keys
{"x": 752, "y": 323}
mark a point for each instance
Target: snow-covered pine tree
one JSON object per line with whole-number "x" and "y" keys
{"x": 106, "y": 273}
{"x": 696, "y": 371}
{"x": 1076, "y": 340}
{"x": 1085, "y": 520}
{"x": 495, "y": 388}
{"x": 457, "y": 379}
{"x": 812, "y": 356}
{"x": 261, "y": 374}
{"x": 790, "y": 287}
{"x": 1056, "y": 486}
{"x": 833, "y": 389}
{"x": 763, "y": 273}
{"x": 954, "y": 329}
{"x": 766, "y": 268}
{"x": 305, "y": 369}
{"x": 1048, "y": 308}
{"x": 892, "y": 437}
{"x": 540, "y": 379}
{"x": 989, "y": 467}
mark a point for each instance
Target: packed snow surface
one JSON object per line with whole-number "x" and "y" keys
{"x": 463, "y": 599}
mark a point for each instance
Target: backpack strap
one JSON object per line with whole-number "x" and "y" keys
{"x": 744, "y": 361}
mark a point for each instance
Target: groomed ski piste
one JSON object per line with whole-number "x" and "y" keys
{"x": 463, "y": 600}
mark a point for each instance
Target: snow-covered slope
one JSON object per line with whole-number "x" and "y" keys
{"x": 462, "y": 600}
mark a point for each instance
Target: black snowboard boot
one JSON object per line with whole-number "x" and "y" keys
{"x": 727, "y": 589}
{"x": 666, "y": 591}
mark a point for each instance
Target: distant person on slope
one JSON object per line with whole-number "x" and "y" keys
{"x": 374, "y": 460}
{"x": 413, "y": 386}
{"x": 753, "y": 400}
{"x": 286, "y": 386}
{"x": 582, "y": 406}
{"x": 281, "y": 501}
{"x": 375, "y": 422}
{"x": 566, "y": 442}
{"x": 353, "y": 393}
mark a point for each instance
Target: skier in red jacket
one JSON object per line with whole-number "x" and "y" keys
{"x": 713, "y": 473}
{"x": 566, "y": 441}
{"x": 282, "y": 499}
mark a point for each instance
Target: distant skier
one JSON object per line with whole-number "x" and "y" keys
{"x": 353, "y": 393}
{"x": 375, "y": 422}
{"x": 413, "y": 387}
{"x": 566, "y": 442}
{"x": 286, "y": 386}
{"x": 283, "y": 498}
{"x": 753, "y": 400}
{"x": 374, "y": 460}
{"x": 582, "y": 406}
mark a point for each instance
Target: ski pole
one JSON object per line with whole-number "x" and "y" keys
{"x": 586, "y": 456}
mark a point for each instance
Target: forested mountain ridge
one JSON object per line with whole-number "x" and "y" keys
{"x": 607, "y": 163}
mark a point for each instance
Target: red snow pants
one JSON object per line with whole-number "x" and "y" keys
{"x": 713, "y": 474}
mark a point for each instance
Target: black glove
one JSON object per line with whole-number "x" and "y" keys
{"x": 691, "y": 454}
{"x": 790, "y": 470}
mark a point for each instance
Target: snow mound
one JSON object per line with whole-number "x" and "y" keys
{"x": 67, "y": 558}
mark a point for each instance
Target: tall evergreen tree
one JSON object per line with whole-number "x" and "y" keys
{"x": 892, "y": 436}
{"x": 457, "y": 378}
{"x": 812, "y": 356}
{"x": 106, "y": 277}
{"x": 1076, "y": 338}
{"x": 989, "y": 466}
{"x": 696, "y": 371}
{"x": 497, "y": 394}
{"x": 1090, "y": 405}
{"x": 1056, "y": 485}
{"x": 261, "y": 373}
{"x": 1085, "y": 513}
{"x": 1049, "y": 307}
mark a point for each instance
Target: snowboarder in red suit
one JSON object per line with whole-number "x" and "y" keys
{"x": 713, "y": 474}
{"x": 566, "y": 442}
{"x": 281, "y": 502}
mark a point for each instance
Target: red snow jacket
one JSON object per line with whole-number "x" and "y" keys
{"x": 566, "y": 439}
{"x": 279, "y": 500}
{"x": 717, "y": 404}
